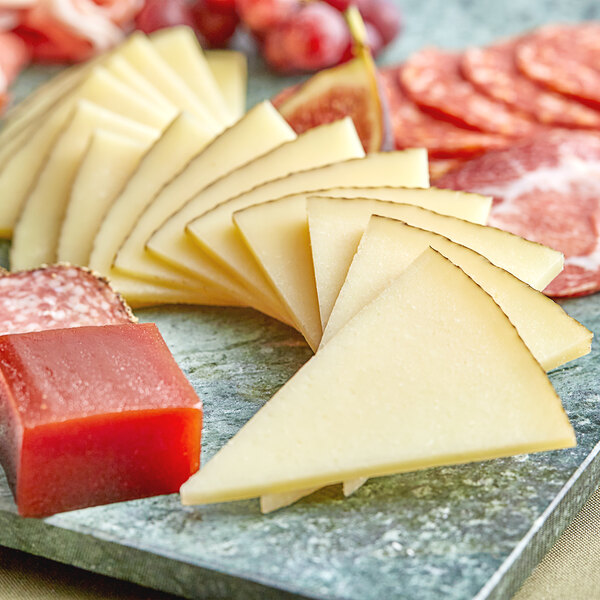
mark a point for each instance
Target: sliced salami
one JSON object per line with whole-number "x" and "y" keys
{"x": 414, "y": 128}
{"x": 493, "y": 71}
{"x": 433, "y": 79}
{"x": 565, "y": 59}
{"x": 547, "y": 190}
{"x": 58, "y": 297}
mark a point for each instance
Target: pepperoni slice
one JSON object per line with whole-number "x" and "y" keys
{"x": 565, "y": 59}
{"x": 58, "y": 297}
{"x": 493, "y": 71}
{"x": 433, "y": 79}
{"x": 547, "y": 190}
{"x": 414, "y": 128}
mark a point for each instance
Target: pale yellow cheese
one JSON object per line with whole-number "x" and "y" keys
{"x": 230, "y": 70}
{"x": 216, "y": 234}
{"x": 140, "y": 293}
{"x": 389, "y": 246}
{"x": 430, "y": 373}
{"x": 465, "y": 205}
{"x": 107, "y": 164}
{"x": 180, "y": 141}
{"x": 276, "y": 233}
{"x": 317, "y": 146}
{"x": 99, "y": 87}
{"x": 122, "y": 70}
{"x": 37, "y": 230}
{"x": 142, "y": 55}
{"x": 38, "y": 102}
{"x": 179, "y": 48}
{"x": 259, "y": 131}
{"x": 337, "y": 224}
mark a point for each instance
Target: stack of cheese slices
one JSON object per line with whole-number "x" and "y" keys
{"x": 431, "y": 334}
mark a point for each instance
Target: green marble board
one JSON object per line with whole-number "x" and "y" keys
{"x": 458, "y": 533}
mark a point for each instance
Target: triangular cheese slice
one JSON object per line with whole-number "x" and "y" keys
{"x": 337, "y": 224}
{"x": 430, "y": 373}
{"x": 276, "y": 234}
{"x": 388, "y": 247}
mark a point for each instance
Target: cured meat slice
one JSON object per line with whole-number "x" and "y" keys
{"x": 432, "y": 78}
{"x": 547, "y": 190}
{"x": 414, "y": 128}
{"x": 493, "y": 71}
{"x": 565, "y": 59}
{"x": 58, "y": 297}
{"x": 438, "y": 167}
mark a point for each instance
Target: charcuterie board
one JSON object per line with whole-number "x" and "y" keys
{"x": 473, "y": 531}
{"x": 450, "y": 532}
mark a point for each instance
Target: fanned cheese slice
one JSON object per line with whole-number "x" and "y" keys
{"x": 141, "y": 54}
{"x": 107, "y": 164}
{"x": 153, "y": 198}
{"x": 230, "y": 70}
{"x": 122, "y": 70}
{"x": 179, "y": 48}
{"x": 391, "y": 393}
{"x": 388, "y": 247}
{"x": 216, "y": 234}
{"x": 37, "y": 230}
{"x": 180, "y": 141}
{"x": 318, "y": 146}
{"x": 99, "y": 87}
{"x": 276, "y": 234}
{"x": 337, "y": 224}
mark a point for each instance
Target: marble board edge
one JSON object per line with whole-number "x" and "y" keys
{"x": 545, "y": 531}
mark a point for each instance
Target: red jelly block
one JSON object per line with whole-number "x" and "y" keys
{"x": 93, "y": 415}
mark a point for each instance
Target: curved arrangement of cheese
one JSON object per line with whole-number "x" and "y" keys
{"x": 136, "y": 79}
{"x": 285, "y": 255}
{"x": 323, "y": 145}
{"x": 258, "y": 132}
{"x": 215, "y": 233}
{"x": 391, "y": 397}
{"x": 36, "y": 233}
{"x": 141, "y": 165}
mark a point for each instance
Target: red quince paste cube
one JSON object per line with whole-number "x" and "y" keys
{"x": 93, "y": 415}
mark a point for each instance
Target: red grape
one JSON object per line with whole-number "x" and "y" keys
{"x": 262, "y": 16}
{"x": 315, "y": 37}
{"x": 340, "y": 5}
{"x": 157, "y": 14}
{"x": 384, "y": 15}
{"x": 215, "y": 20}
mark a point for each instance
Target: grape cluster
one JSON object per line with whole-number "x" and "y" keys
{"x": 293, "y": 35}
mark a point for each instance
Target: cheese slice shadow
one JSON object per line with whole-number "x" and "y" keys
{"x": 337, "y": 224}
{"x": 430, "y": 373}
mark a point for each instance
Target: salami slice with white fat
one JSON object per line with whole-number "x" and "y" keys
{"x": 58, "y": 297}
{"x": 547, "y": 190}
{"x": 414, "y": 128}
{"x": 493, "y": 71}
{"x": 434, "y": 81}
{"x": 565, "y": 59}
